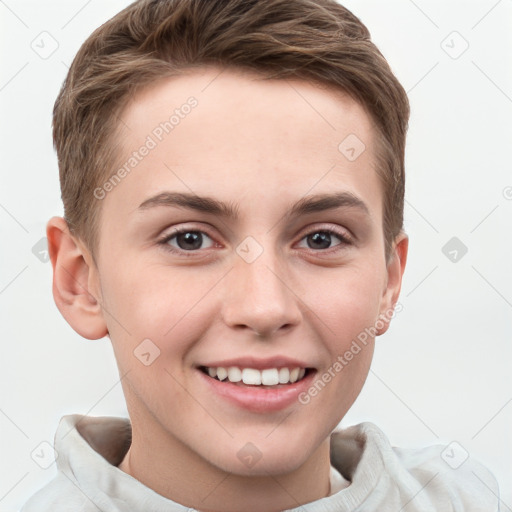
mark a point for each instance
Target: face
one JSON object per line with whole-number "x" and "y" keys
{"x": 242, "y": 238}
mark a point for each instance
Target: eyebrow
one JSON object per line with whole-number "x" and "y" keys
{"x": 310, "y": 204}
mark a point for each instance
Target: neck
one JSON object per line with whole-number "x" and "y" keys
{"x": 170, "y": 468}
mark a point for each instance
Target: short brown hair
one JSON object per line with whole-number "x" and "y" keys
{"x": 314, "y": 40}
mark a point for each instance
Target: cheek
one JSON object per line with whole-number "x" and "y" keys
{"x": 337, "y": 384}
{"x": 146, "y": 297}
{"x": 156, "y": 303}
{"x": 345, "y": 312}
{"x": 347, "y": 303}
{"x": 153, "y": 320}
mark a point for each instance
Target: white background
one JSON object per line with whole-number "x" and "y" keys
{"x": 442, "y": 372}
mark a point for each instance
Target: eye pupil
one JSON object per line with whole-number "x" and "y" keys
{"x": 322, "y": 237}
{"x": 189, "y": 237}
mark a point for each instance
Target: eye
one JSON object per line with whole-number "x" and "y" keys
{"x": 322, "y": 238}
{"x": 186, "y": 240}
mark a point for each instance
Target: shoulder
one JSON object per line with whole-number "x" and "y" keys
{"x": 446, "y": 475}
{"x": 59, "y": 495}
{"x": 88, "y": 449}
{"x": 450, "y": 472}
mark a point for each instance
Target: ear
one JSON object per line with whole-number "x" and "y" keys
{"x": 75, "y": 281}
{"x": 395, "y": 271}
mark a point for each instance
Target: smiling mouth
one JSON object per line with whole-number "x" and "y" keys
{"x": 267, "y": 378}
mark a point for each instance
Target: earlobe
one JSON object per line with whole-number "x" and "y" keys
{"x": 395, "y": 271}
{"x": 74, "y": 275}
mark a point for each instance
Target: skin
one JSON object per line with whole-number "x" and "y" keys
{"x": 262, "y": 145}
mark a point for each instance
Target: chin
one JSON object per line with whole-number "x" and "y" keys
{"x": 266, "y": 457}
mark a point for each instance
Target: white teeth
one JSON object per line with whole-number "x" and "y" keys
{"x": 234, "y": 374}
{"x": 251, "y": 376}
{"x": 254, "y": 377}
{"x": 222, "y": 373}
{"x": 270, "y": 377}
{"x": 294, "y": 374}
{"x": 284, "y": 376}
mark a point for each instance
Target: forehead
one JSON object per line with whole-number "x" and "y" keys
{"x": 229, "y": 133}
{"x": 232, "y": 98}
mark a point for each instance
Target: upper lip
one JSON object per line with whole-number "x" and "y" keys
{"x": 258, "y": 364}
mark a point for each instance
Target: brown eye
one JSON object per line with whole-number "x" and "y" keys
{"x": 322, "y": 239}
{"x": 185, "y": 240}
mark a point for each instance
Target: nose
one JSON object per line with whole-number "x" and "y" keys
{"x": 260, "y": 297}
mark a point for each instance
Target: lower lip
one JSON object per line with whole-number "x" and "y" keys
{"x": 257, "y": 398}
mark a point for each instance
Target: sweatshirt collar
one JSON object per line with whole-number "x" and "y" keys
{"x": 90, "y": 448}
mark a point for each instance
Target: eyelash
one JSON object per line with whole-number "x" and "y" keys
{"x": 164, "y": 242}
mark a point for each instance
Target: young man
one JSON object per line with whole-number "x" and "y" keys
{"x": 232, "y": 175}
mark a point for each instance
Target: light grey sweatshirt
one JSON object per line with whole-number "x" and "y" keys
{"x": 381, "y": 478}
